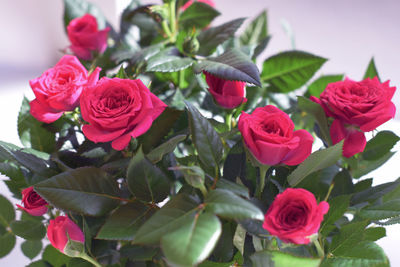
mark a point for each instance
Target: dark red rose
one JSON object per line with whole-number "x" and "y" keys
{"x": 227, "y": 94}
{"x": 118, "y": 109}
{"x": 356, "y": 107}
{"x": 85, "y": 37}
{"x": 60, "y": 229}
{"x": 295, "y": 215}
{"x": 269, "y": 135}
{"x": 32, "y": 203}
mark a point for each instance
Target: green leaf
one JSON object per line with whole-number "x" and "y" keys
{"x": 145, "y": 180}
{"x": 17, "y": 181}
{"x": 374, "y": 233}
{"x": 29, "y": 230}
{"x": 169, "y": 146}
{"x": 343, "y": 183}
{"x": 319, "y": 114}
{"x": 381, "y": 144}
{"x": 86, "y": 190}
{"x": 121, "y": 73}
{"x": 365, "y": 254}
{"x": 169, "y": 218}
{"x": 31, "y": 133}
{"x": 281, "y": 259}
{"x": 363, "y": 167}
{"x": 382, "y": 211}
{"x": 226, "y": 204}
{"x": 350, "y": 235}
{"x": 138, "y": 253}
{"x": 205, "y": 138}
{"x": 163, "y": 62}
{"x": 290, "y": 70}
{"x": 235, "y": 188}
{"x": 31, "y": 248}
{"x": 39, "y": 263}
{"x": 256, "y": 31}
{"x": 197, "y": 15}
{"x": 193, "y": 175}
{"x": 78, "y": 8}
{"x": 7, "y": 243}
{"x": 337, "y": 207}
{"x": 193, "y": 241}
{"x": 78, "y": 262}
{"x": 210, "y": 38}
{"x": 316, "y": 161}
{"x": 55, "y": 257}
{"x": 231, "y": 65}
{"x": 373, "y": 193}
{"x": 125, "y": 221}
{"x": 319, "y": 85}
{"x": 7, "y": 213}
{"x": 371, "y": 71}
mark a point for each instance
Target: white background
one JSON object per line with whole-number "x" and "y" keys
{"x": 347, "y": 32}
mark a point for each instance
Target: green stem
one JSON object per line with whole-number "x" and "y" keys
{"x": 320, "y": 251}
{"x": 172, "y": 15}
{"x": 329, "y": 191}
{"x": 181, "y": 78}
{"x": 263, "y": 172}
{"x": 203, "y": 190}
{"x": 228, "y": 120}
{"x": 166, "y": 29}
{"x": 89, "y": 259}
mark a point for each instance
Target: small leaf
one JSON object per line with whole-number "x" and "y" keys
{"x": 205, "y": 138}
{"x": 193, "y": 175}
{"x": 374, "y": 233}
{"x": 319, "y": 85}
{"x": 350, "y": 235}
{"x": 382, "y": 211}
{"x": 168, "y": 63}
{"x": 193, "y": 241}
{"x": 381, "y": 144}
{"x": 235, "y": 188}
{"x": 31, "y": 248}
{"x": 232, "y": 65}
{"x": 316, "y": 161}
{"x": 138, "y": 253}
{"x": 226, "y": 204}
{"x": 371, "y": 71}
{"x": 364, "y": 167}
{"x": 7, "y": 243}
{"x": 29, "y": 230}
{"x": 86, "y": 190}
{"x": 145, "y": 180}
{"x": 337, "y": 207}
{"x": 281, "y": 259}
{"x": 7, "y": 213}
{"x": 157, "y": 153}
{"x": 290, "y": 70}
{"x": 197, "y": 15}
{"x": 256, "y": 31}
{"x": 373, "y": 193}
{"x": 121, "y": 73}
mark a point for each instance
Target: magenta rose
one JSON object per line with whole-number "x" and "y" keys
{"x": 118, "y": 109}
{"x": 32, "y": 203}
{"x": 269, "y": 135}
{"x": 295, "y": 215}
{"x": 190, "y": 2}
{"x": 227, "y": 94}
{"x": 356, "y": 107}
{"x": 86, "y": 38}
{"x": 58, "y": 89}
{"x": 60, "y": 229}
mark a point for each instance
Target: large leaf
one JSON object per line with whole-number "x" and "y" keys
{"x": 350, "y": 235}
{"x": 231, "y": 65}
{"x": 31, "y": 133}
{"x": 226, "y": 204}
{"x": 78, "y": 8}
{"x": 281, "y": 259}
{"x": 316, "y": 161}
{"x": 256, "y": 31}
{"x": 54, "y": 256}
{"x": 319, "y": 85}
{"x": 31, "y": 248}
{"x": 382, "y": 211}
{"x": 168, "y": 63}
{"x": 7, "y": 213}
{"x": 169, "y": 218}
{"x": 29, "y": 230}
{"x": 197, "y": 15}
{"x": 373, "y": 193}
{"x": 7, "y": 243}
{"x": 87, "y": 190}
{"x": 290, "y": 70}
{"x": 381, "y": 144}
{"x": 145, "y": 180}
{"x": 193, "y": 241}
{"x": 212, "y": 37}
{"x": 235, "y": 188}
{"x": 205, "y": 138}
{"x": 371, "y": 71}
{"x": 125, "y": 221}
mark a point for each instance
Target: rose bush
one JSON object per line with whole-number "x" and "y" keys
{"x": 356, "y": 107}
{"x": 295, "y": 215}
{"x": 58, "y": 89}
{"x": 269, "y": 135}
{"x": 62, "y": 228}
{"x": 227, "y": 94}
{"x": 117, "y": 110}
{"x": 86, "y": 38}
{"x": 32, "y": 203}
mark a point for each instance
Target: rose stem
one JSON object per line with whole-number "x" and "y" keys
{"x": 89, "y": 259}
{"x": 320, "y": 251}
{"x": 263, "y": 172}
{"x": 228, "y": 120}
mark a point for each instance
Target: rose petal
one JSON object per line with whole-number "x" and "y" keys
{"x": 43, "y": 113}
{"x": 298, "y": 155}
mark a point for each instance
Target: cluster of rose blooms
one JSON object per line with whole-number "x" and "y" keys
{"x": 115, "y": 110}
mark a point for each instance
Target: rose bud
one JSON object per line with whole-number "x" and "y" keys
{"x": 190, "y": 2}
{"x": 58, "y": 89}
{"x": 118, "y": 109}
{"x": 227, "y": 94}
{"x": 32, "y": 203}
{"x": 294, "y": 216}
{"x": 64, "y": 234}
{"x": 85, "y": 37}
{"x": 269, "y": 135}
{"x": 356, "y": 107}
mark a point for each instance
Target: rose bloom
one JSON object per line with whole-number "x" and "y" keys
{"x": 118, "y": 109}
{"x": 294, "y": 215}
{"x": 85, "y": 37}
{"x": 32, "y": 203}
{"x": 227, "y": 94}
{"x": 58, "y": 89}
{"x": 269, "y": 135}
{"x": 190, "y": 2}
{"x": 60, "y": 229}
{"x": 356, "y": 107}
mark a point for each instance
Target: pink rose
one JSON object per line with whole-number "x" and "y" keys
{"x": 190, "y": 2}
{"x": 118, "y": 109}
{"x": 34, "y": 204}
{"x": 59, "y": 89}
{"x": 227, "y": 94}
{"x": 356, "y": 107}
{"x": 60, "y": 229}
{"x": 86, "y": 38}
{"x": 269, "y": 135}
{"x": 294, "y": 215}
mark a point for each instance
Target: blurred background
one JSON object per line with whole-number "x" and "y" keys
{"x": 347, "y": 32}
